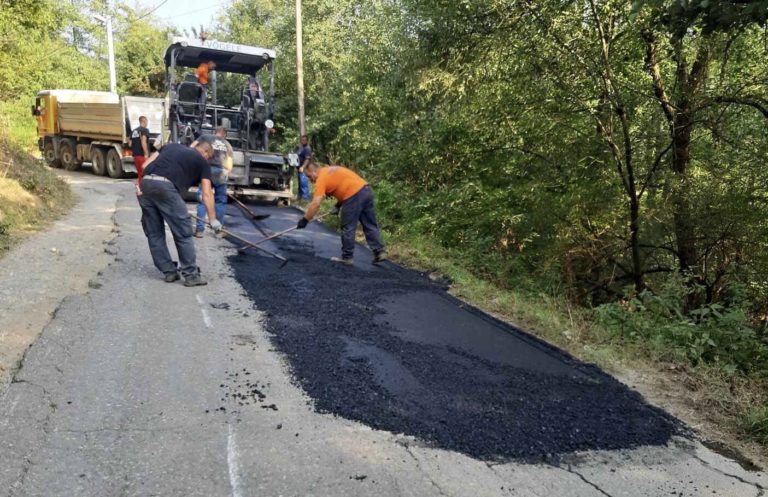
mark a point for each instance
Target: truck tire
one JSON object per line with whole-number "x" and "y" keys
{"x": 114, "y": 164}
{"x": 68, "y": 156}
{"x": 99, "y": 161}
{"x": 49, "y": 154}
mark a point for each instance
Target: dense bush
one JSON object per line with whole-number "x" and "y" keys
{"x": 713, "y": 333}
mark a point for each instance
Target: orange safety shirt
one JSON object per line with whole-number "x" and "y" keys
{"x": 339, "y": 182}
{"x": 202, "y": 73}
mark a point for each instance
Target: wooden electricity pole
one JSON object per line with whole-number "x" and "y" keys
{"x": 300, "y": 69}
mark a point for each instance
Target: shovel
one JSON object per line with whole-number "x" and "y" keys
{"x": 249, "y": 244}
{"x": 281, "y": 233}
{"x": 254, "y": 216}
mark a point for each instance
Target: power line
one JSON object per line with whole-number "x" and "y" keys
{"x": 151, "y": 11}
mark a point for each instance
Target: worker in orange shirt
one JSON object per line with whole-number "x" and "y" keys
{"x": 355, "y": 201}
{"x": 202, "y": 77}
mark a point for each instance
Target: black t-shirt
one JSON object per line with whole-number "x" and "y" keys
{"x": 136, "y": 140}
{"x": 184, "y": 166}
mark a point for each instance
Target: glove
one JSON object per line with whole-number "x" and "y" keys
{"x": 335, "y": 211}
{"x": 303, "y": 222}
{"x": 216, "y": 225}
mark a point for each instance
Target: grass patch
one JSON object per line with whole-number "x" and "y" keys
{"x": 31, "y": 195}
{"x": 756, "y": 424}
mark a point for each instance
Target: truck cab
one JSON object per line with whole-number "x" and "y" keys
{"x": 257, "y": 171}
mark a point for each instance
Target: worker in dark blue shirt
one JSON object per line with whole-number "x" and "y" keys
{"x": 167, "y": 176}
{"x": 305, "y": 154}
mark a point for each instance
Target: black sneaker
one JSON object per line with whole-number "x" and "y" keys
{"x": 171, "y": 277}
{"x": 379, "y": 256}
{"x": 342, "y": 260}
{"x": 194, "y": 280}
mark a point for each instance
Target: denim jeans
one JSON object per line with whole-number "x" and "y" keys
{"x": 303, "y": 186}
{"x": 161, "y": 203}
{"x": 219, "y": 199}
{"x": 359, "y": 207}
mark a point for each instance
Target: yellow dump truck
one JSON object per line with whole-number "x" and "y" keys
{"x": 77, "y": 126}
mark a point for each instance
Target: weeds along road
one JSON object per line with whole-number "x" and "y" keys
{"x": 313, "y": 379}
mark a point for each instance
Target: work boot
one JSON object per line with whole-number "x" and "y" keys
{"x": 194, "y": 280}
{"x": 171, "y": 277}
{"x": 198, "y": 233}
{"x": 379, "y": 256}
{"x": 342, "y": 260}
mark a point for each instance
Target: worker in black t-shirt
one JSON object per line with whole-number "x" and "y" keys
{"x": 167, "y": 176}
{"x": 140, "y": 146}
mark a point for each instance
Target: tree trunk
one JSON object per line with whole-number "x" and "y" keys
{"x": 682, "y": 215}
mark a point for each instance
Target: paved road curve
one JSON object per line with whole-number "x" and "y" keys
{"x": 141, "y": 388}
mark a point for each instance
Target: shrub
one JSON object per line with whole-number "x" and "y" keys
{"x": 714, "y": 333}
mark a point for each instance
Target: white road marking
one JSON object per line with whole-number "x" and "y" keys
{"x": 234, "y": 469}
{"x": 206, "y": 318}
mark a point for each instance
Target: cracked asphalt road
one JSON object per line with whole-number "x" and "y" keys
{"x": 140, "y": 388}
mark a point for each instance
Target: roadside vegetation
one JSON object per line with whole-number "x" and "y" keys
{"x": 592, "y": 171}
{"x": 31, "y": 195}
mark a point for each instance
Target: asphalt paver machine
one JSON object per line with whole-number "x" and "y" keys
{"x": 257, "y": 172}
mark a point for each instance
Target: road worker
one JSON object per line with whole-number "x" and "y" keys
{"x": 221, "y": 165}
{"x": 140, "y": 146}
{"x": 304, "y": 152}
{"x": 202, "y": 77}
{"x": 167, "y": 176}
{"x": 354, "y": 199}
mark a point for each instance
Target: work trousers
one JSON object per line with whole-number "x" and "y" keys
{"x": 303, "y": 185}
{"x": 359, "y": 207}
{"x": 139, "y": 160}
{"x": 161, "y": 203}
{"x": 219, "y": 198}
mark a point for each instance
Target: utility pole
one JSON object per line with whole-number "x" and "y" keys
{"x": 300, "y": 69}
{"x": 107, "y": 22}
{"x": 111, "y": 50}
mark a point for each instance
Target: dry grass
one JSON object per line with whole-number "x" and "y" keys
{"x": 31, "y": 195}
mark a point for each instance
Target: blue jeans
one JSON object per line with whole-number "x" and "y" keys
{"x": 359, "y": 207}
{"x": 303, "y": 186}
{"x": 219, "y": 199}
{"x": 161, "y": 203}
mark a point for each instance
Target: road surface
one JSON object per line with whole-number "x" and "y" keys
{"x": 313, "y": 380}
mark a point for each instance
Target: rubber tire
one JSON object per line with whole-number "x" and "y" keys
{"x": 68, "y": 156}
{"x": 99, "y": 161}
{"x": 49, "y": 154}
{"x": 114, "y": 164}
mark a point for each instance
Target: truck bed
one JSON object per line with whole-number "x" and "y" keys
{"x": 100, "y": 121}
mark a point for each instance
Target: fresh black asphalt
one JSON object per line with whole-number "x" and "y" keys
{"x": 388, "y": 347}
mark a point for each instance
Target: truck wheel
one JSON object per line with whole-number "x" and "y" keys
{"x": 68, "y": 157}
{"x": 99, "y": 161}
{"x": 114, "y": 164}
{"x": 49, "y": 153}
